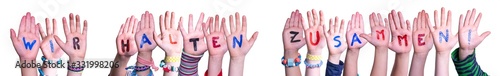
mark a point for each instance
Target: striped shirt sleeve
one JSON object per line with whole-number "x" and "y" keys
{"x": 468, "y": 66}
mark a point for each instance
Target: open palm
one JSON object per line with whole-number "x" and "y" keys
{"x": 125, "y": 40}
{"x": 144, "y": 35}
{"x": 401, "y": 33}
{"x": 194, "y": 38}
{"x": 379, "y": 36}
{"x": 336, "y": 32}
{"x": 441, "y": 33}
{"x": 355, "y": 27}
{"x": 422, "y": 39}
{"x": 216, "y": 40}
{"x": 237, "y": 41}
{"x": 170, "y": 39}
{"x": 50, "y": 48}
{"x": 293, "y": 33}
{"x": 468, "y": 35}
{"x": 76, "y": 39}
{"x": 26, "y": 42}
{"x": 315, "y": 38}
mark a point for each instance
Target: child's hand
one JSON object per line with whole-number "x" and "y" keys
{"x": 468, "y": 37}
{"x": 400, "y": 31}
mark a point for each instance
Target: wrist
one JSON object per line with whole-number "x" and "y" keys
{"x": 314, "y": 52}
{"x": 353, "y": 51}
{"x": 334, "y": 58}
{"x": 291, "y": 54}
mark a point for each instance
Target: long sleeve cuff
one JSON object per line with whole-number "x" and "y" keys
{"x": 189, "y": 65}
{"x": 468, "y": 66}
{"x": 334, "y": 69}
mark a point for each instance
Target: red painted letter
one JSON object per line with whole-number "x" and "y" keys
{"x": 380, "y": 34}
{"x": 214, "y": 42}
{"x": 420, "y": 38}
{"x": 317, "y": 38}
{"x": 170, "y": 36}
{"x": 403, "y": 37}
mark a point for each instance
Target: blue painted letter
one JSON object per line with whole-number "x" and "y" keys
{"x": 51, "y": 46}
{"x": 336, "y": 38}
{"x": 28, "y": 45}
{"x": 145, "y": 39}
{"x": 442, "y": 36}
{"x": 235, "y": 40}
{"x": 469, "y": 36}
{"x": 355, "y": 38}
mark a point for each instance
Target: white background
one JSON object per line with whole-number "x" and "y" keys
{"x": 266, "y": 16}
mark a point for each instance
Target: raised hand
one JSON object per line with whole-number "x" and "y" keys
{"x": 293, "y": 32}
{"x": 314, "y": 32}
{"x": 379, "y": 36}
{"x": 27, "y": 42}
{"x": 336, "y": 32}
{"x": 237, "y": 41}
{"x": 468, "y": 36}
{"x": 194, "y": 38}
{"x": 355, "y": 27}
{"x": 50, "y": 48}
{"x": 76, "y": 39}
{"x": 125, "y": 40}
{"x": 441, "y": 33}
{"x": 422, "y": 39}
{"x": 145, "y": 32}
{"x": 170, "y": 39}
{"x": 401, "y": 33}
{"x": 216, "y": 39}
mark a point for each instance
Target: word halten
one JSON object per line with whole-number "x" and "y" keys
{"x": 336, "y": 38}
{"x": 28, "y": 45}
{"x": 317, "y": 38}
{"x": 144, "y": 40}
{"x": 420, "y": 39}
{"x": 125, "y": 46}
{"x": 293, "y": 37}
{"x": 401, "y": 38}
{"x": 33, "y": 64}
{"x": 214, "y": 42}
{"x": 194, "y": 40}
{"x": 235, "y": 40}
{"x": 355, "y": 38}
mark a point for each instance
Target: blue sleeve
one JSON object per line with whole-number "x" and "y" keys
{"x": 334, "y": 69}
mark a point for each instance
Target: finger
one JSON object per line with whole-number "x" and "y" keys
{"x": 211, "y": 26}
{"x": 166, "y": 21}
{"x": 391, "y": 22}
{"x": 436, "y": 19}
{"x": 335, "y": 26}
{"x": 142, "y": 23}
{"x": 315, "y": 18}
{"x": 349, "y": 25}
{"x": 217, "y": 26}
{"x": 127, "y": 23}
{"x": 419, "y": 20}
{"x": 37, "y": 30}
{"x": 357, "y": 20}
{"x": 190, "y": 24}
{"x": 415, "y": 21}
{"x": 157, "y": 38}
{"x": 208, "y": 24}
{"x": 321, "y": 18}
{"x": 342, "y": 26}
{"x": 471, "y": 22}
{"x": 181, "y": 28}
{"x": 244, "y": 28}
{"x": 65, "y": 26}
{"x": 200, "y": 22}
{"x": 172, "y": 21}
{"x": 13, "y": 36}
{"x": 332, "y": 27}
{"x": 223, "y": 27}
{"x": 301, "y": 23}
{"x": 54, "y": 25}
{"x": 460, "y": 22}
{"x": 287, "y": 23}
{"x": 297, "y": 17}
{"x": 352, "y": 21}
{"x": 361, "y": 22}
{"x": 121, "y": 29}
{"x": 478, "y": 20}
{"x": 41, "y": 32}
{"x": 27, "y": 23}
{"x": 449, "y": 19}
{"x": 371, "y": 19}
{"x": 429, "y": 24}
{"x": 290, "y": 23}
{"x": 397, "y": 21}
{"x": 59, "y": 41}
{"x": 22, "y": 24}
{"x": 151, "y": 22}
{"x": 231, "y": 24}
{"x": 238, "y": 22}
{"x": 130, "y": 24}
{"x": 380, "y": 20}
{"x": 310, "y": 18}
{"x": 408, "y": 25}
{"x": 134, "y": 25}
{"x": 48, "y": 27}
{"x": 72, "y": 23}
{"x": 78, "y": 27}
{"x": 327, "y": 31}
{"x": 484, "y": 35}
{"x": 403, "y": 25}
{"x": 387, "y": 26}
{"x": 443, "y": 17}
{"x": 254, "y": 38}
{"x": 85, "y": 24}
{"x": 33, "y": 25}
{"x": 367, "y": 37}
{"x": 468, "y": 18}
{"x": 162, "y": 24}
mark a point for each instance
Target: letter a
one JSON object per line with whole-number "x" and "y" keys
{"x": 355, "y": 38}
{"x": 144, "y": 40}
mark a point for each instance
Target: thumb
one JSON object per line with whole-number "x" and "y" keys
{"x": 254, "y": 38}
{"x": 484, "y": 35}
{"x": 13, "y": 36}
{"x": 157, "y": 40}
{"x": 367, "y": 37}
{"x": 59, "y": 42}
